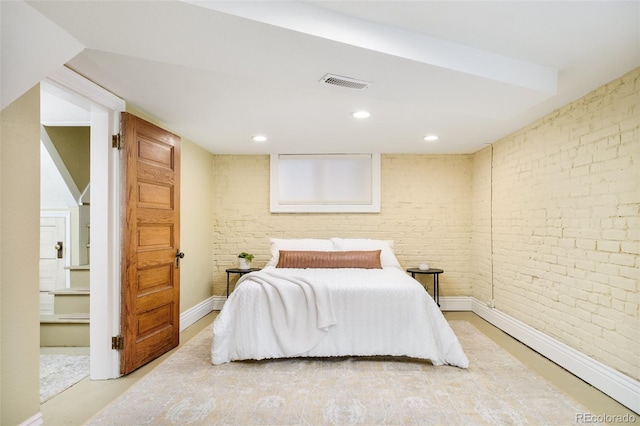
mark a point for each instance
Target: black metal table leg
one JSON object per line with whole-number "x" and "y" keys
{"x": 436, "y": 280}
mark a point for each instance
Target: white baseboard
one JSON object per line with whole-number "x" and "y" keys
{"x": 218, "y": 302}
{"x": 456, "y": 303}
{"x": 193, "y": 314}
{"x": 35, "y": 420}
{"x": 618, "y": 386}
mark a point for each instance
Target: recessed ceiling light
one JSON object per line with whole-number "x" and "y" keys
{"x": 431, "y": 138}
{"x": 361, "y": 114}
{"x": 259, "y": 138}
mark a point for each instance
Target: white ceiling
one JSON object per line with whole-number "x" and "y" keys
{"x": 472, "y": 72}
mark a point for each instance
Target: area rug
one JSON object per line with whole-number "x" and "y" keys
{"x": 495, "y": 390}
{"x": 59, "y": 372}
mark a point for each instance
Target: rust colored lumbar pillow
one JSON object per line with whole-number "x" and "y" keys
{"x": 329, "y": 259}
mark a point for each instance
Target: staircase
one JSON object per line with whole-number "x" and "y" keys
{"x": 69, "y": 324}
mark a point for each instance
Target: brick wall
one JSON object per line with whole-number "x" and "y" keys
{"x": 566, "y": 232}
{"x": 425, "y": 209}
{"x": 549, "y": 227}
{"x": 481, "y": 266}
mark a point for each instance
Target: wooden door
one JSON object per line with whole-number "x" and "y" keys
{"x": 150, "y": 315}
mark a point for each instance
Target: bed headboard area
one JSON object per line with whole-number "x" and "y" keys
{"x": 371, "y": 254}
{"x": 369, "y": 259}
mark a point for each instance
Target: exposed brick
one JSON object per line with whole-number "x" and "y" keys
{"x": 605, "y": 323}
{"x": 610, "y": 246}
{"x": 622, "y": 259}
{"x": 583, "y": 162}
{"x": 548, "y": 216}
{"x": 434, "y": 228}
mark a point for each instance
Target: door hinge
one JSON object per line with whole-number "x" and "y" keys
{"x": 117, "y": 343}
{"x": 116, "y": 141}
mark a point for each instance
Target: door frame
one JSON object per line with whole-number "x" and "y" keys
{"x": 105, "y": 109}
{"x": 67, "y": 236}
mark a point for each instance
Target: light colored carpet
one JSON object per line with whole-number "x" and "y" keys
{"x": 59, "y": 372}
{"x": 496, "y": 389}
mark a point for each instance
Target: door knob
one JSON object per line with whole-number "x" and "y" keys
{"x": 179, "y": 255}
{"x": 58, "y": 248}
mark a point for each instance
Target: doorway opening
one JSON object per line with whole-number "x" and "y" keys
{"x": 78, "y": 118}
{"x": 65, "y": 289}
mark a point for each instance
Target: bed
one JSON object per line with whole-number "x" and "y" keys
{"x": 330, "y": 298}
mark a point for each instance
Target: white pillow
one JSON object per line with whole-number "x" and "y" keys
{"x": 387, "y": 257}
{"x": 308, "y": 244}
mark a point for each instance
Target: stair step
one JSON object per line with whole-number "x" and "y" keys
{"x": 76, "y": 317}
{"x": 79, "y": 275}
{"x": 72, "y": 291}
{"x": 64, "y": 329}
{"x": 71, "y": 300}
{"x": 78, "y": 267}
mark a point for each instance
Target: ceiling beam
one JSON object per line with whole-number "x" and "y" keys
{"x": 393, "y": 41}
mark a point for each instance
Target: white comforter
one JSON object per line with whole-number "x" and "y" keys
{"x": 359, "y": 312}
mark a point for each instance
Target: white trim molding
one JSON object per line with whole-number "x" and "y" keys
{"x": 456, "y": 303}
{"x": 35, "y": 420}
{"x": 346, "y": 183}
{"x": 104, "y": 109}
{"x": 218, "y": 302}
{"x": 71, "y": 82}
{"x": 193, "y": 314}
{"x": 618, "y": 386}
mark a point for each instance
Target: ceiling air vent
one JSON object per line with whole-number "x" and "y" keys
{"x": 338, "y": 80}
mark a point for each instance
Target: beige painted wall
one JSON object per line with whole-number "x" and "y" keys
{"x": 566, "y": 224}
{"x": 19, "y": 245}
{"x": 425, "y": 209}
{"x": 196, "y": 225}
{"x": 73, "y": 146}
